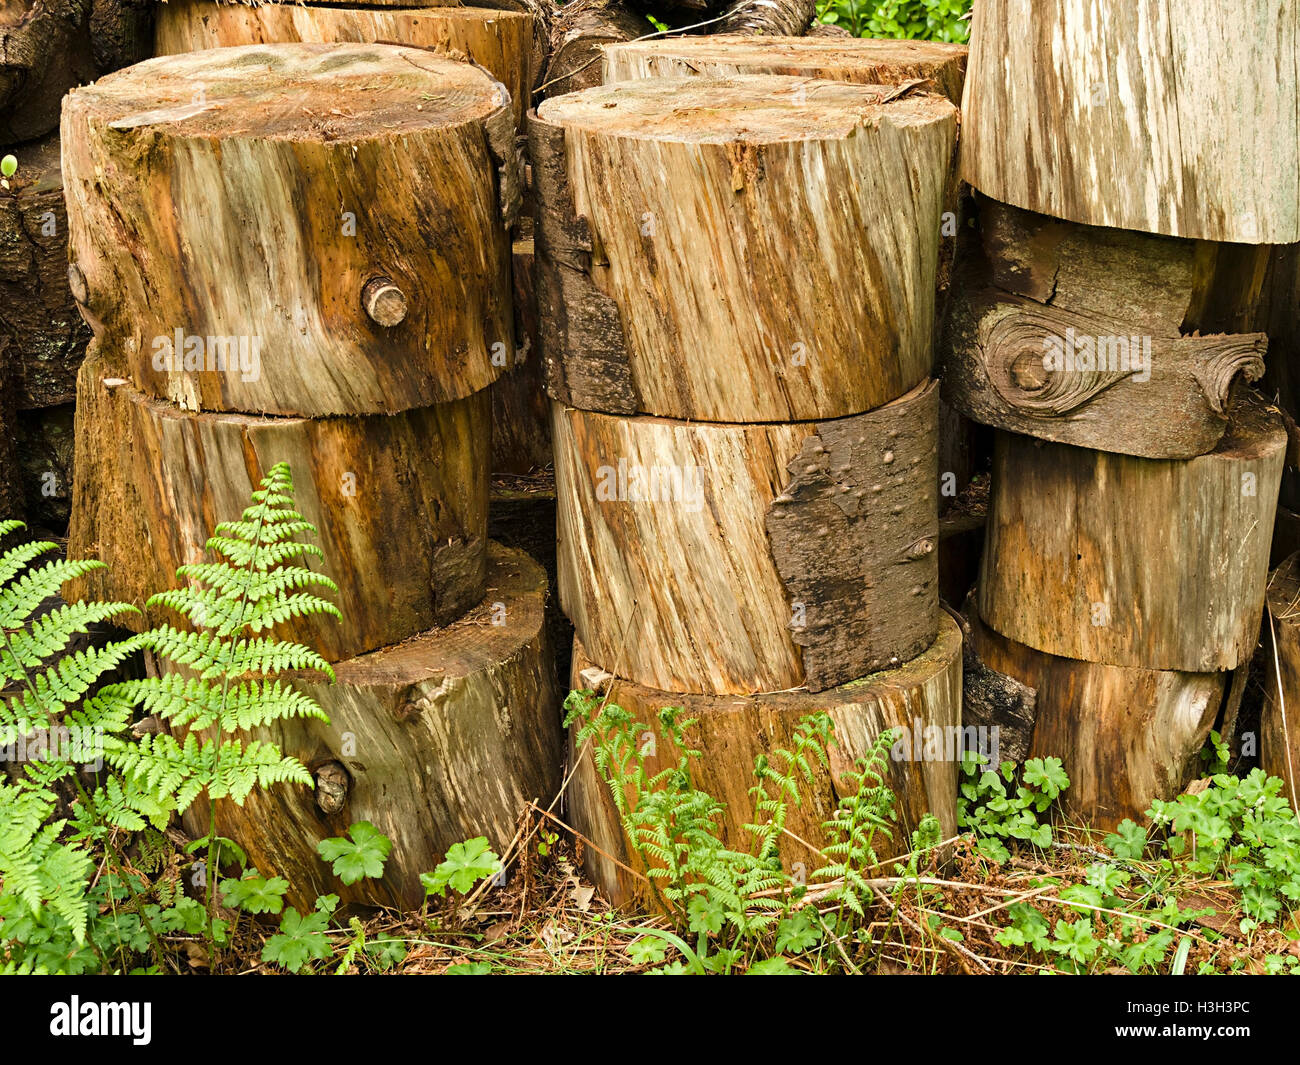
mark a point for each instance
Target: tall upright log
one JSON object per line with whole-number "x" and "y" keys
{"x": 498, "y": 41}
{"x": 640, "y": 183}
{"x": 1159, "y": 564}
{"x": 929, "y": 65}
{"x": 920, "y": 701}
{"x": 1125, "y": 735}
{"x": 1063, "y": 97}
{"x": 731, "y": 559}
{"x": 1279, "y": 746}
{"x": 439, "y": 739}
{"x": 521, "y": 413}
{"x": 400, "y": 503}
{"x": 379, "y": 279}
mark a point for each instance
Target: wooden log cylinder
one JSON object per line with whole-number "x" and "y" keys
{"x": 498, "y": 41}
{"x": 937, "y": 67}
{"x": 727, "y": 559}
{"x": 921, "y": 701}
{"x": 1129, "y": 561}
{"x": 1130, "y": 115}
{"x": 1094, "y": 337}
{"x": 717, "y": 250}
{"x": 442, "y": 738}
{"x": 229, "y": 209}
{"x": 399, "y": 503}
{"x": 1125, "y": 735}
{"x": 1279, "y": 740}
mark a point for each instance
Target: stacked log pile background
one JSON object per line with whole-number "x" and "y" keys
{"x": 353, "y": 333}
{"x": 1109, "y": 326}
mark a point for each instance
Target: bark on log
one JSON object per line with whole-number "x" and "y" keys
{"x": 641, "y": 182}
{"x": 770, "y": 18}
{"x": 1134, "y": 562}
{"x": 1279, "y": 747}
{"x": 39, "y": 322}
{"x": 1125, "y": 735}
{"x": 521, "y": 413}
{"x": 1061, "y": 98}
{"x": 440, "y": 739}
{"x": 399, "y": 502}
{"x": 922, "y": 700}
{"x": 937, "y": 67}
{"x": 1081, "y": 335}
{"x": 579, "y": 33}
{"x": 44, "y": 444}
{"x": 729, "y": 559}
{"x": 498, "y": 41}
{"x": 167, "y": 163}
{"x": 48, "y": 46}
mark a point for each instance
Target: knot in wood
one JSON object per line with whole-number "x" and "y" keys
{"x": 77, "y": 283}
{"x": 385, "y": 304}
{"x": 332, "y": 783}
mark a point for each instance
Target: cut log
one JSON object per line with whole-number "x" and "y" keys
{"x": 1279, "y": 746}
{"x": 48, "y": 46}
{"x": 725, "y": 559}
{"x": 38, "y": 318}
{"x": 1126, "y": 735}
{"x": 443, "y": 738}
{"x": 166, "y": 165}
{"x": 921, "y": 701}
{"x": 1134, "y": 562}
{"x": 1129, "y": 115}
{"x": 399, "y": 502}
{"x": 498, "y": 41}
{"x": 929, "y": 65}
{"x": 1078, "y": 334}
{"x": 769, "y": 18}
{"x": 521, "y": 413}
{"x": 641, "y": 182}
{"x": 580, "y": 31}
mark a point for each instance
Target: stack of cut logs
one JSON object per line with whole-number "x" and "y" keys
{"x": 299, "y": 253}
{"x": 737, "y": 278}
{"x": 1109, "y": 325}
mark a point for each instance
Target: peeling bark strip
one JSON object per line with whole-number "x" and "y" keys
{"x": 439, "y": 739}
{"x": 681, "y": 195}
{"x": 1279, "y": 747}
{"x": 400, "y": 503}
{"x": 498, "y": 41}
{"x": 1127, "y": 561}
{"x": 854, "y": 536}
{"x": 167, "y": 164}
{"x": 39, "y": 322}
{"x": 668, "y": 574}
{"x": 1130, "y": 115}
{"x": 1126, "y": 736}
{"x": 574, "y": 316}
{"x": 921, "y": 701}
{"x": 940, "y": 68}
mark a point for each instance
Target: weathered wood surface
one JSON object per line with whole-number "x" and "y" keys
{"x": 921, "y": 701}
{"x": 360, "y": 161}
{"x": 1279, "y": 747}
{"x": 580, "y": 31}
{"x": 1125, "y": 735}
{"x": 994, "y": 701}
{"x": 442, "y": 738}
{"x": 1130, "y": 115}
{"x": 937, "y": 67}
{"x": 1159, "y": 564}
{"x": 498, "y": 41}
{"x": 830, "y": 314}
{"x": 1093, "y": 337}
{"x": 48, "y": 46}
{"x": 725, "y": 559}
{"x": 400, "y": 502}
{"x": 521, "y": 413}
{"x": 43, "y": 440}
{"x": 39, "y": 325}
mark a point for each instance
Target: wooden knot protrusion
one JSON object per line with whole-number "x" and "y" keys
{"x": 77, "y": 283}
{"x": 332, "y": 783}
{"x": 385, "y": 304}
